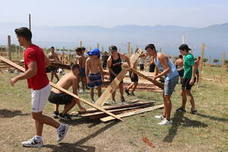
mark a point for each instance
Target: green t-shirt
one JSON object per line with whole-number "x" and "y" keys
{"x": 188, "y": 63}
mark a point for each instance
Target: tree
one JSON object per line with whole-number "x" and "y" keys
{"x": 215, "y": 61}
{"x": 205, "y": 60}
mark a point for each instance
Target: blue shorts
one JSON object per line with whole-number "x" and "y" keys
{"x": 95, "y": 80}
{"x": 169, "y": 85}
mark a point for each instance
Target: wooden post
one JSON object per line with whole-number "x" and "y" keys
{"x": 9, "y": 47}
{"x": 202, "y": 47}
{"x": 30, "y": 22}
{"x": 80, "y": 44}
{"x": 98, "y": 45}
{"x": 223, "y": 59}
{"x": 129, "y": 48}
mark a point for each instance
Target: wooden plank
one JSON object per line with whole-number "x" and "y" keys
{"x": 61, "y": 89}
{"x": 115, "y": 110}
{"x": 136, "y": 103}
{"x": 160, "y": 85}
{"x": 115, "y": 83}
{"x": 131, "y": 113}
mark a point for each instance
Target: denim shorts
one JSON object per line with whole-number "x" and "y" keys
{"x": 169, "y": 85}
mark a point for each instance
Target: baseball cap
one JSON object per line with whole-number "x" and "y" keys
{"x": 94, "y": 52}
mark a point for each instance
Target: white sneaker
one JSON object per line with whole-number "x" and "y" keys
{"x": 165, "y": 122}
{"x": 159, "y": 117}
{"x": 34, "y": 142}
{"x": 62, "y": 131}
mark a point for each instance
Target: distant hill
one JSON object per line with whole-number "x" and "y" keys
{"x": 167, "y": 38}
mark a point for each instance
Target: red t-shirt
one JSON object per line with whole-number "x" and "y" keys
{"x": 35, "y": 54}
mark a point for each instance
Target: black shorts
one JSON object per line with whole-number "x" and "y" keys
{"x": 181, "y": 73}
{"x": 51, "y": 69}
{"x": 60, "y": 98}
{"x": 112, "y": 77}
{"x": 134, "y": 77}
{"x": 186, "y": 85}
{"x": 141, "y": 67}
{"x": 152, "y": 68}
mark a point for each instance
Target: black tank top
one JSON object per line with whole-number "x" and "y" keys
{"x": 116, "y": 65}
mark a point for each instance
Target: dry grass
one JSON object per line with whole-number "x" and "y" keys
{"x": 206, "y": 131}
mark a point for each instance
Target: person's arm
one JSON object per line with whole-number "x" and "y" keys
{"x": 126, "y": 58}
{"x": 46, "y": 61}
{"x": 29, "y": 73}
{"x": 110, "y": 66}
{"x": 101, "y": 69}
{"x": 164, "y": 62}
{"x": 75, "y": 91}
{"x": 87, "y": 70}
{"x": 193, "y": 75}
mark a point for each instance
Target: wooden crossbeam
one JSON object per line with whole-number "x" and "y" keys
{"x": 160, "y": 85}
{"x": 131, "y": 113}
{"x": 115, "y": 83}
{"x": 62, "y": 89}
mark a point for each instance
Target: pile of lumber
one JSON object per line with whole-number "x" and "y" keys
{"x": 123, "y": 110}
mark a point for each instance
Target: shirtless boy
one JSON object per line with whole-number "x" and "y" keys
{"x": 94, "y": 72}
{"x": 53, "y": 57}
{"x": 57, "y": 97}
{"x": 81, "y": 59}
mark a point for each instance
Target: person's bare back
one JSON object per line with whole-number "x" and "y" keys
{"x": 93, "y": 65}
{"x": 66, "y": 82}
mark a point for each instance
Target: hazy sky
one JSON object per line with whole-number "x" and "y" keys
{"x": 108, "y": 13}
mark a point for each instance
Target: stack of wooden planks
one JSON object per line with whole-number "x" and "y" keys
{"x": 123, "y": 110}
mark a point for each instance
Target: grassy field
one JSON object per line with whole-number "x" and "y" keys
{"x": 205, "y": 131}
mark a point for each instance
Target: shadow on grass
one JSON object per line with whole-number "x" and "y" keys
{"x": 5, "y": 113}
{"x": 212, "y": 117}
{"x": 78, "y": 146}
{"x": 81, "y": 120}
{"x": 180, "y": 120}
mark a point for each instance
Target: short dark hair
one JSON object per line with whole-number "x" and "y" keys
{"x": 181, "y": 56}
{"x": 52, "y": 47}
{"x": 151, "y": 46}
{"x": 184, "y": 47}
{"x": 75, "y": 66}
{"x": 113, "y": 48}
{"x": 24, "y": 32}
{"x": 83, "y": 48}
{"x": 78, "y": 49}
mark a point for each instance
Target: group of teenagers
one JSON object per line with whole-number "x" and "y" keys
{"x": 90, "y": 71}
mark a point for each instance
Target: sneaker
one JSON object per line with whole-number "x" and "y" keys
{"x": 64, "y": 116}
{"x": 159, "y": 117}
{"x": 34, "y": 142}
{"x": 127, "y": 92}
{"x": 181, "y": 109}
{"x": 165, "y": 122}
{"x": 122, "y": 99}
{"x": 133, "y": 94}
{"x": 62, "y": 131}
{"x": 55, "y": 114}
{"x": 193, "y": 112}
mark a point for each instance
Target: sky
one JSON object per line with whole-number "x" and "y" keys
{"x": 110, "y": 13}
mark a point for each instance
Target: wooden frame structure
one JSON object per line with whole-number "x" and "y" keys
{"x": 115, "y": 83}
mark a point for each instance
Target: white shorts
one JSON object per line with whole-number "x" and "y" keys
{"x": 40, "y": 98}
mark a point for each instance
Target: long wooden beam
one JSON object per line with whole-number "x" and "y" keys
{"x": 160, "y": 85}
{"x": 61, "y": 89}
{"x": 115, "y": 83}
{"x": 131, "y": 113}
